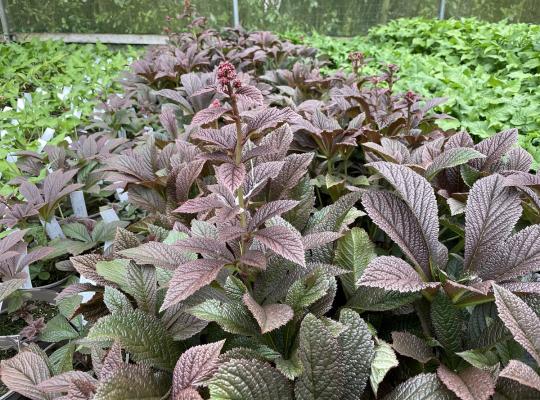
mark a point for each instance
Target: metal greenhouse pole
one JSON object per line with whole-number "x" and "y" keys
{"x": 236, "y": 14}
{"x": 442, "y": 9}
{"x": 4, "y": 21}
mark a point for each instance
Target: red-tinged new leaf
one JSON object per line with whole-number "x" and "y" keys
{"x": 190, "y": 277}
{"x": 231, "y": 175}
{"x": 522, "y": 373}
{"x": 491, "y": 213}
{"x": 283, "y": 241}
{"x": 392, "y": 273}
{"x": 270, "y": 316}
{"x": 520, "y": 320}
{"x": 195, "y": 366}
{"x": 208, "y": 115}
{"x": 470, "y": 384}
{"x": 270, "y": 210}
{"x": 200, "y": 204}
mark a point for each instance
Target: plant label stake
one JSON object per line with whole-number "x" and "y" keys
{"x": 108, "y": 215}
{"x": 44, "y": 139}
{"x": 78, "y": 204}
{"x": 53, "y": 228}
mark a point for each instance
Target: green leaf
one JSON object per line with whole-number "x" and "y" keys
{"x": 62, "y": 358}
{"x": 421, "y": 387}
{"x": 384, "y": 360}
{"x": 141, "y": 334}
{"x": 115, "y": 300}
{"x": 483, "y": 359}
{"x": 77, "y": 231}
{"x": 306, "y": 291}
{"x": 105, "y": 231}
{"x": 354, "y": 252}
{"x": 291, "y": 368}
{"x": 447, "y": 322}
{"x": 321, "y": 357}
{"x": 58, "y": 329}
{"x": 132, "y": 382}
{"x": 142, "y": 285}
{"x": 358, "y": 352}
{"x": 451, "y": 158}
{"x": 8, "y": 287}
{"x": 232, "y": 317}
{"x": 241, "y": 379}
{"x": 377, "y": 299}
{"x": 114, "y": 271}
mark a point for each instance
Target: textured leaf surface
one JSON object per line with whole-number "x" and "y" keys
{"x": 58, "y": 329}
{"x": 140, "y": 334}
{"x": 241, "y": 379}
{"x": 231, "y": 317}
{"x": 396, "y": 219}
{"x": 495, "y": 147}
{"x": 519, "y": 319}
{"x": 354, "y": 252}
{"x": 231, "y": 175}
{"x": 392, "y": 273}
{"x": 269, "y": 210}
{"x": 522, "y": 373}
{"x": 376, "y": 299}
{"x": 195, "y": 366}
{"x": 283, "y": 241}
{"x": 320, "y": 355}
{"x": 23, "y": 373}
{"x": 384, "y": 360}
{"x": 8, "y": 287}
{"x": 411, "y": 346}
{"x": 115, "y": 300}
{"x": 269, "y": 316}
{"x": 131, "y": 382}
{"x": 190, "y": 277}
{"x": 491, "y": 213}
{"x": 451, "y": 158}
{"x": 208, "y": 115}
{"x": 421, "y": 387}
{"x": 158, "y": 254}
{"x": 358, "y": 352}
{"x": 470, "y": 384}
{"x": 416, "y": 191}
{"x": 447, "y": 322}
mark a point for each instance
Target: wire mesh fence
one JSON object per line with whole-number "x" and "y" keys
{"x": 332, "y": 17}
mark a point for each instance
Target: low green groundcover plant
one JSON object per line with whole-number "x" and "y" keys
{"x": 489, "y": 72}
{"x": 49, "y": 86}
{"x": 253, "y": 229}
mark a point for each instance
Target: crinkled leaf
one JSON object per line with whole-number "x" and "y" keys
{"x": 451, "y": 158}
{"x": 241, "y": 379}
{"x": 447, "y": 322}
{"x": 158, "y": 254}
{"x": 58, "y": 329}
{"x": 470, "y": 384}
{"x": 321, "y": 357}
{"x": 268, "y": 316}
{"x": 519, "y": 319}
{"x": 283, "y": 241}
{"x": 115, "y": 300}
{"x": 190, "y": 277}
{"x": 411, "y": 346}
{"x": 23, "y": 373}
{"x": 131, "y": 382}
{"x": 522, "y": 373}
{"x": 383, "y": 361}
{"x": 141, "y": 334}
{"x": 358, "y": 352}
{"x": 231, "y": 317}
{"x": 231, "y": 175}
{"x": 195, "y": 366}
{"x": 392, "y": 273}
{"x": 421, "y": 387}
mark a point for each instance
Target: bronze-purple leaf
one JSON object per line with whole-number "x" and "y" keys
{"x": 231, "y": 175}
{"x": 190, "y": 277}
{"x": 522, "y": 373}
{"x": 392, "y": 273}
{"x": 283, "y": 241}
{"x": 195, "y": 366}
{"x": 470, "y": 384}
{"x": 269, "y": 316}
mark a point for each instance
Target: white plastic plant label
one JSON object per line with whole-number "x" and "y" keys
{"x": 53, "y": 229}
{"x": 108, "y": 215}
{"x": 122, "y": 195}
{"x": 20, "y": 104}
{"x": 86, "y": 296}
{"x": 11, "y": 158}
{"x": 122, "y": 133}
{"x": 44, "y": 139}
{"x": 78, "y": 204}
